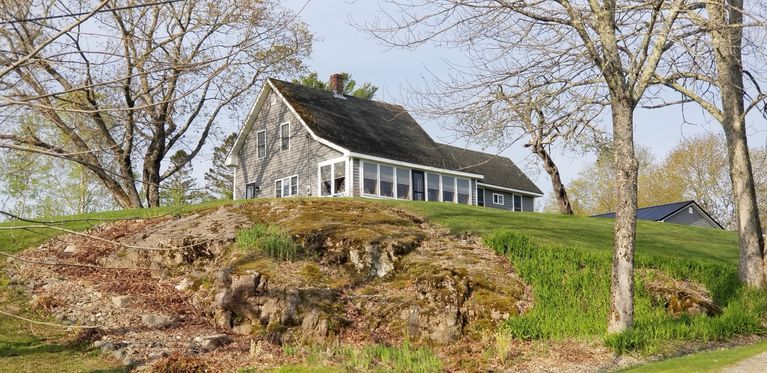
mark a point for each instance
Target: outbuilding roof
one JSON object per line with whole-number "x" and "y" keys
{"x": 661, "y": 212}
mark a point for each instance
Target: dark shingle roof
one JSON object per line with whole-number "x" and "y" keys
{"x": 388, "y": 131}
{"x": 654, "y": 213}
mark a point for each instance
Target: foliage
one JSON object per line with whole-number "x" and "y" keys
{"x": 572, "y": 288}
{"x": 219, "y": 179}
{"x": 181, "y": 187}
{"x": 366, "y": 91}
{"x": 270, "y": 240}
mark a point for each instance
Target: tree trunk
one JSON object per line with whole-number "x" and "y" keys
{"x": 152, "y": 164}
{"x": 565, "y": 207}
{"x": 622, "y": 289}
{"x": 728, "y": 45}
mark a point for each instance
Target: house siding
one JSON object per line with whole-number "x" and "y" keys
{"x": 302, "y": 158}
{"x": 528, "y": 202}
{"x": 697, "y": 218}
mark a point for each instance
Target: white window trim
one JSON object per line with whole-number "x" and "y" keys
{"x": 282, "y": 184}
{"x": 502, "y": 199}
{"x": 426, "y": 175}
{"x": 289, "y": 136}
{"x": 331, "y": 163}
{"x": 260, "y": 156}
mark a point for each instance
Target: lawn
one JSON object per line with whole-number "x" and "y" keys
{"x": 709, "y": 361}
{"x": 695, "y": 250}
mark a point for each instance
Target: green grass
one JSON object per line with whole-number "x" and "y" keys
{"x": 710, "y": 361}
{"x": 375, "y": 358}
{"x": 270, "y": 240}
{"x": 572, "y": 287}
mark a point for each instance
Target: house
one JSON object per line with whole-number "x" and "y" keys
{"x": 304, "y": 141}
{"x": 685, "y": 212}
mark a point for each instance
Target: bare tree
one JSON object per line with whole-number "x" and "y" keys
{"x": 708, "y": 69}
{"x": 617, "y": 45}
{"x": 137, "y": 82}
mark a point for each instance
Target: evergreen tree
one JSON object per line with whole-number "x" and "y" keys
{"x": 219, "y": 178}
{"x": 366, "y": 91}
{"x": 180, "y": 188}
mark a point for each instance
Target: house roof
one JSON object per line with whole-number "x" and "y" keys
{"x": 662, "y": 212}
{"x": 383, "y": 130}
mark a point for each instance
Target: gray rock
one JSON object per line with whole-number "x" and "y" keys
{"x": 70, "y": 249}
{"x": 211, "y": 342}
{"x": 119, "y": 354}
{"x": 184, "y": 284}
{"x": 156, "y": 321}
{"x": 122, "y": 301}
{"x": 131, "y": 362}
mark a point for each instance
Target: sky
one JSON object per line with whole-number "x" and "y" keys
{"x": 342, "y": 48}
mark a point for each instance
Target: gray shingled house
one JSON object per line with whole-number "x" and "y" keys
{"x": 685, "y": 212}
{"x": 309, "y": 142}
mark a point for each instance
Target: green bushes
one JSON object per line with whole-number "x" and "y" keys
{"x": 571, "y": 287}
{"x": 270, "y": 240}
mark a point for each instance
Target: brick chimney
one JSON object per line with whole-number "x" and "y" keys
{"x": 337, "y": 84}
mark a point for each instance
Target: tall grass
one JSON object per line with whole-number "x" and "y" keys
{"x": 571, "y": 287}
{"x": 271, "y": 240}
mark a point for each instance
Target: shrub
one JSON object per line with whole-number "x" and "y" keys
{"x": 571, "y": 287}
{"x": 270, "y": 240}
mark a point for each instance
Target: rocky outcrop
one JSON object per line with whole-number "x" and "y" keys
{"x": 678, "y": 297}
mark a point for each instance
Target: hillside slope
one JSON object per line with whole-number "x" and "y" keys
{"x": 365, "y": 273}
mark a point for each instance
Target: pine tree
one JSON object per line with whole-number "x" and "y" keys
{"x": 180, "y": 188}
{"x": 366, "y": 91}
{"x": 219, "y": 178}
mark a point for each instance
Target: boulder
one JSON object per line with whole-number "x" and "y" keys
{"x": 211, "y": 342}
{"x": 70, "y": 249}
{"x": 122, "y": 301}
{"x": 156, "y": 321}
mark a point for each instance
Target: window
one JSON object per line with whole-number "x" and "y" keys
{"x": 370, "y": 178}
{"x": 403, "y": 183}
{"x": 286, "y": 187}
{"x": 432, "y": 187}
{"x": 387, "y": 180}
{"x": 250, "y": 190}
{"x": 285, "y": 136}
{"x": 497, "y": 199}
{"x": 689, "y": 210}
{"x": 463, "y": 190}
{"x": 261, "y": 144}
{"x": 326, "y": 187}
{"x": 339, "y": 177}
{"x": 480, "y": 197}
{"x": 517, "y": 202}
{"x": 448, "y": 188}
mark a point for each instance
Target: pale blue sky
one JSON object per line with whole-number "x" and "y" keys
{"x": 343, "y": 48}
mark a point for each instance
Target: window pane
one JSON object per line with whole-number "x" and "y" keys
{"x": 250, "y": 190}
{"x": 448, "y": 188}
{"x": 261, "y": 143}
{"x": 339, "y": 177}
{"x": 387, "y": 181}
{"x": 294, "y": 185}
{"x": 278, "y": 189}
{"x": 370, "y": 184}
{"x": 325, "y": 181}
{"x": 285, "y": 136}
{"x": 285, "y": 188}
{"x": 432, "y": 186}
{"x": 463, "y": 191}
{"x": 403, "y": 183}
{"x": 517, "y": 203}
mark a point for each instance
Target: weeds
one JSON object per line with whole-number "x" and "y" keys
{"x": 572, "y": 289}
{"x": 270, "y": 240}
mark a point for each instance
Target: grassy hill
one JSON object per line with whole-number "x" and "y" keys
{"x": 565, "y": 259}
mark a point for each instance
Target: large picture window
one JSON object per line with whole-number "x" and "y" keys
{"x": 448, "y": 188}
{"x": 285, "y": 136}
{"x": 403, "y": 183}
{"x": 387, "y": 180}
{"x": 370, "y": 178}
{"x": 286, "y": 187}
{"x": 464, "y": 187}
{"x": 432, "y": 187}
{"x": 261, "y": 144}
